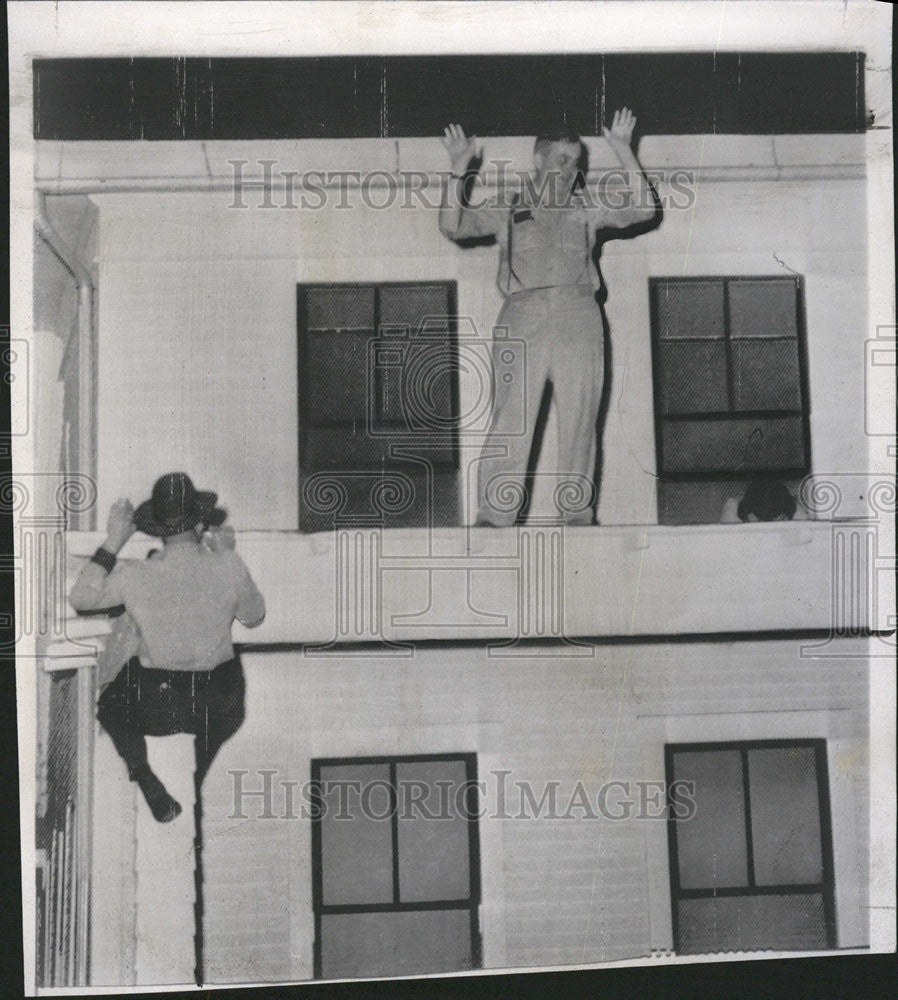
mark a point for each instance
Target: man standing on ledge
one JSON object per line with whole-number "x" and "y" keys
{"x": 546, "y": 237}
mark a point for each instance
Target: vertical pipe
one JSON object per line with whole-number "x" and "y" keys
{"x": 71, "y": 887}
{"x": 87, "y": 391}
{"x": 58, "y": 957}
{"x": 84, "y": 820}
{"x": 199, "y": 909}
{"x": 50, "y": 913}
{"x": 40, "y": 938}
{"x": 83, "y": 520}
{"x": 73, "y": 882}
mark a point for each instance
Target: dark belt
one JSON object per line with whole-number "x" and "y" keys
{"x": 226, "y": 666}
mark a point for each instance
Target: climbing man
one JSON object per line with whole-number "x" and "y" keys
{"x": 185, "y": 676}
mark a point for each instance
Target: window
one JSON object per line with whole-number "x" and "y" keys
{"x": 730, "y": 389}
{"x": 396, "y": 869}
{"x": 378, "y": 405}
{"x": 751, "y": 868}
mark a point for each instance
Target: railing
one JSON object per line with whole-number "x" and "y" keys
{"x": 64, "y": 832}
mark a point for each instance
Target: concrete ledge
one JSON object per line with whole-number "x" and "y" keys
{"x": 836, "y": 150}
{"x": 327, "y": 155}
{"x": 59, "y": 166}
{"x": 677, "y": 151}
{"x": 537, "y": 583}
{"x": 79, "y": 160}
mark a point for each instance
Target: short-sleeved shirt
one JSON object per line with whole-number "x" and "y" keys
{"x": 540, "y": 246}
{"x": 184, "y": 602}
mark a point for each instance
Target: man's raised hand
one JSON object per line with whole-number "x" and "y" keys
{"x": 621, "y": 131}
{"x": 120, "y": 525}
{"x": 219, "y": 539}
{"x": 460, "y": 148}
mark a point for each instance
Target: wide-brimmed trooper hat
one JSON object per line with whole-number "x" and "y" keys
{"x": 177, "y": 506}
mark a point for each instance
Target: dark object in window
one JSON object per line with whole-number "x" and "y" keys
{"x": 730, "y": 385}
{"x": 378, "y": 406}
{"x": 395, "y": 865}
{"x": 751, "y": 869}
{"x": 767, "y": 501}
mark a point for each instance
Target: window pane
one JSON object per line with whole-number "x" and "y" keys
{"x": 785, "y": 816}
{"x": 695, "y": 502}
{"x": 415, "y": 381}
{"x": 398, "y": 498}
{"x": 395, "y": 944}
{"x": 356, "y": 849}
{"x": 336, "y": 382}
{"x": 711, "y": 849}
{"x": 340, "y": 308}
{"x": 739, "y": 445}
{"x": 410, "y": 305}
{"x": 433, "y": 834}
{"x": 353, "y": 449}
{"x": 763, "y": 309}
{"x": 395, "y": 498}
{"x": 384, "y": 403}
{"x": 765, "y": 375}
{"x": 348, "y": 450}
{"x": 693, "y": 377}
{"x": 689, "y": 309}
{"x": 751, "y": 923}
{"x": 702, "y": 501}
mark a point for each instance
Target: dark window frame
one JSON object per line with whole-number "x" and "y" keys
{"x": 825, "y": 888}
{"x": 471, "y": 902}
{"x": 408, "y": 445}
{"x": 803, "y": 412}
{"x": 303, "y": 330}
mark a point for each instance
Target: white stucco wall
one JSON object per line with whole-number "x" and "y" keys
{"x": 555, "y": 892}
{"x": 197, "y": 352}
{"x": 197, "y": 369}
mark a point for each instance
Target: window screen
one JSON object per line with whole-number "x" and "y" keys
{"x": 396, "y": 866}
{"x": 378, "y": 405}
{"x": 751, "y": 868}
{"x": 730, "y": 390}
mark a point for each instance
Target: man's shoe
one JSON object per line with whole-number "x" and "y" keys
{"x": 163, "y": 807}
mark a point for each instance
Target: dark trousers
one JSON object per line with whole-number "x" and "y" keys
{"x": 143, "y": 701}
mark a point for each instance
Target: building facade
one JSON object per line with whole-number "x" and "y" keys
{"x": 554, "y": 685}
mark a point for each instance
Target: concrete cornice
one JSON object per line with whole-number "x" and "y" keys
{"x": 95, "y": 167}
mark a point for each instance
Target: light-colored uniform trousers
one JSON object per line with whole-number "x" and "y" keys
{"x": 561, "y": 328}
{"x": 546, "y": 274}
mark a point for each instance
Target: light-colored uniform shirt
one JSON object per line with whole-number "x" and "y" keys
{"x": 183, "y": 601}
{"x": 541, "y": 246}
{"x": 122, "y": 642}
